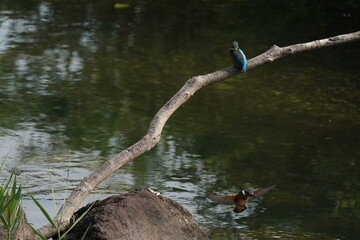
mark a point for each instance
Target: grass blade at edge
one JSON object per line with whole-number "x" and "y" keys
{"x": 77, "y": 220}
{"x": 3, "y": 208}
{"x": 43, "y": 210}
{"x": 3, "y": 191}
{"x": 86, "y": 231}
{"x": 4, "y": 222}
{"x": 37, "y": 233}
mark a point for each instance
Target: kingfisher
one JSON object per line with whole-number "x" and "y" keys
{"x": 241, "y": 198}
{"x": 237, "y": 56}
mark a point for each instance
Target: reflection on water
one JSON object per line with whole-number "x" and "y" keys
{"x": 81, "y": 81}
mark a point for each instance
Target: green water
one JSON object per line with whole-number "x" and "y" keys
{"x": 80, "y": 81}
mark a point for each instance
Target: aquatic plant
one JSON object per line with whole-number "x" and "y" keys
{"x": 10, "y": 203}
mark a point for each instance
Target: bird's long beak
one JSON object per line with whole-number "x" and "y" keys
{"x": 252, "y": 195}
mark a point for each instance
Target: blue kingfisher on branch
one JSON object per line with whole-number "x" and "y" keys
{"x": 241, "y": 198}
{"x": 237, "y": 56}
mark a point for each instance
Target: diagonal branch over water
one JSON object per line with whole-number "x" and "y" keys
{"x": 157, "y": 124}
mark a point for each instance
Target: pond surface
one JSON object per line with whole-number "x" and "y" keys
{"x": 81, "y": 80}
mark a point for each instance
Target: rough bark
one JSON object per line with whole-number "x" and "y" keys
{"x": 153, "y": 135}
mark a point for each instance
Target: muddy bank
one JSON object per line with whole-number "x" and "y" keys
{"x": 140, "y": 214}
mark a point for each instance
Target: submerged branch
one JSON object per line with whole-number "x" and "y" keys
{"x": 153, "y": 135}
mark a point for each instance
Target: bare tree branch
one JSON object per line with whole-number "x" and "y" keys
{"x": 153, "y": 135}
